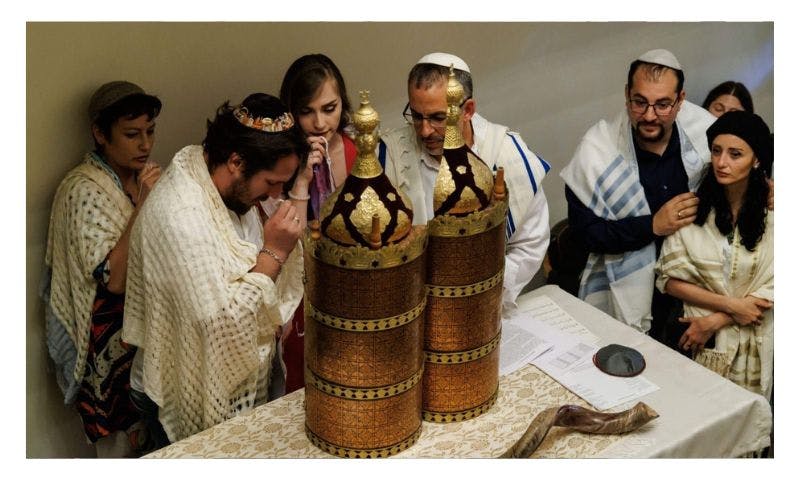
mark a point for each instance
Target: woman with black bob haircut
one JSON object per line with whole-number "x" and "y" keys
{"x": 721, "y": 266}
{"x": 93, "y": 212}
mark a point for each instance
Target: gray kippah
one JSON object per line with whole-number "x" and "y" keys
{"x": 660, "y": 56}
{"x": 109, "y": 94}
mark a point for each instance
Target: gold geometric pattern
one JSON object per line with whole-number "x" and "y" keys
{"x": 440, "y": 417}
{"x": 465, "y": 290}
{"x": 357, "y": 453}
{"x": 474, "y": 223}
{"x": 463, "y": 357}
{"x": 365, "y": 325}
{"x": 351, "y": 393}
{"x": 363, "y": 258}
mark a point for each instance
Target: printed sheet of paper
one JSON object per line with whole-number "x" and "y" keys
{"x": 569, "y": 361}
{"x": 518, "y": 347}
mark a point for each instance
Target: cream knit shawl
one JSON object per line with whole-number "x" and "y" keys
{"x": 202, "y": 318}
{"x": 695, "y": 254}
{"x": 89, "y": 214}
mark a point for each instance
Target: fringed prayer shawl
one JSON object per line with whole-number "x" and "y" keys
{"x": 203, "y": 319}
{"x": 604, "y": 175}
{"x": 701, "y": 256}
{"x": 90, "y": 212}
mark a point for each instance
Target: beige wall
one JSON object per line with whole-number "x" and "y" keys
{"x": 550, "y": 81}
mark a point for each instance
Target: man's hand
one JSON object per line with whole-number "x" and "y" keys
{"x": 678, "y": 212}
{"x": 282, "y": 230}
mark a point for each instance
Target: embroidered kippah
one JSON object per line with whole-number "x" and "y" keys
{"x": 265, "y": 124}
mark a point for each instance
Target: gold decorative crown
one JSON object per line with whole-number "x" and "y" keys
{"x": 265, "y": 124}
{"x": 366, "y": 209}
{"x": 464, "y": 182}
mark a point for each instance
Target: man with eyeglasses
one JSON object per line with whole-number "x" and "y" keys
{"x": 411, "y": 155}
{"x": 629, "y": 185}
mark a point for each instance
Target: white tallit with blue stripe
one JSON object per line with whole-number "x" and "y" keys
{"x": 604, "y": 175}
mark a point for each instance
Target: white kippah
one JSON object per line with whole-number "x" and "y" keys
{"x": 445, "y": 60}
{"x": 660, "y": 56}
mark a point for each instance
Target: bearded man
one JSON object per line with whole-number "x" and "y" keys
{"x": 629, "y": 185}
{"x": 209, "y": 282}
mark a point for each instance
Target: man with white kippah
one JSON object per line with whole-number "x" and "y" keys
{"x": 629, "y": 185}
{"x": 411, "y": 156}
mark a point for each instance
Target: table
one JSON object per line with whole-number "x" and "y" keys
{"x": 702, "y": 415}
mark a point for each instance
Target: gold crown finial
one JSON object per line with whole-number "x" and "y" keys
{"x": 366, "y": 209}
{"x": 455, "y": 92}
{"x": 366, "y": 121}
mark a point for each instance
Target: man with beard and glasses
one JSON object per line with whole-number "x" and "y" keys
{"x": 629, "y": 185}
{"x": 209, "y": 282}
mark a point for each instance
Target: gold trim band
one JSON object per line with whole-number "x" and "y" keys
{"x": 345, "y": 452}
{"x": 465, "y": 290}
{"x": 366, "y": 325}
{"x": 443, "y": 417}
{"x": 463, "y": 357}
{"x": 472, "y": 224}
{"x": 354, "y": 393}
{"x": 364, "y": 258}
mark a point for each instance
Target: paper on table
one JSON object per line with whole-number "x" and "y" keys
{"x": 604, "y": 391}
{"x": 518, "y": 347}
{"x": 543, "y": 309}
{"x": 569, "y": 361}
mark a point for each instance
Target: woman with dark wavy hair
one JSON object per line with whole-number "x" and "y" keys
{"x": 727, "y": 97}
{"x": 722, "y": 265}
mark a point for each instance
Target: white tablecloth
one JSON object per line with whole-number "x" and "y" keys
{"x": 701, "y": 413}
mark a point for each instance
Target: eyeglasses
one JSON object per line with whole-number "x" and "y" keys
{"x": 437, "y": 120}
{"x": 662, "y": 108}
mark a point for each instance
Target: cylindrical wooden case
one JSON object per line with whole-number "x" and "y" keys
{"x": 462, "y": 320}
{"x": 363, "y": 349}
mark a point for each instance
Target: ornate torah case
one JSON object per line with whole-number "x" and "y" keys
{"x": 364, "y": 305}
{"x": 464, "y": 283}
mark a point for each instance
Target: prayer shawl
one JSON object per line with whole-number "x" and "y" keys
{"x": 206, "y": 324}
{"x": 604, "y": 175}
{"x": 90, "y": 212}
{"x": 498, "y": 146}
{"x": 701, "y": 256}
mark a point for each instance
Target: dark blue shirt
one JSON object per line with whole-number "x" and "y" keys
{"x": 662, "y": 176}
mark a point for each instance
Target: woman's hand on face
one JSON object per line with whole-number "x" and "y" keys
{"x": 315, "y": 157}
{"x": 146, "y": 180}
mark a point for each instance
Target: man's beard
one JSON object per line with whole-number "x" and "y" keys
{"x": 653, "y": 139}
{"x": 235, "y": 197}
{"x": 437, "y": 152}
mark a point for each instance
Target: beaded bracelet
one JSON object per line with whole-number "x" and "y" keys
{"x": 273, "y": 255}
{"x": 298, "y": 198}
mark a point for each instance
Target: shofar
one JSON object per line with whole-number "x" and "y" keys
{"x": 582, "y": 420}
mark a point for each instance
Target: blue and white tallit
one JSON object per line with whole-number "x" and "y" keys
{"x": 604, "y": 175}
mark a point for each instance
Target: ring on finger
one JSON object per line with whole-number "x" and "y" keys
{"x": 680, "y": 213}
